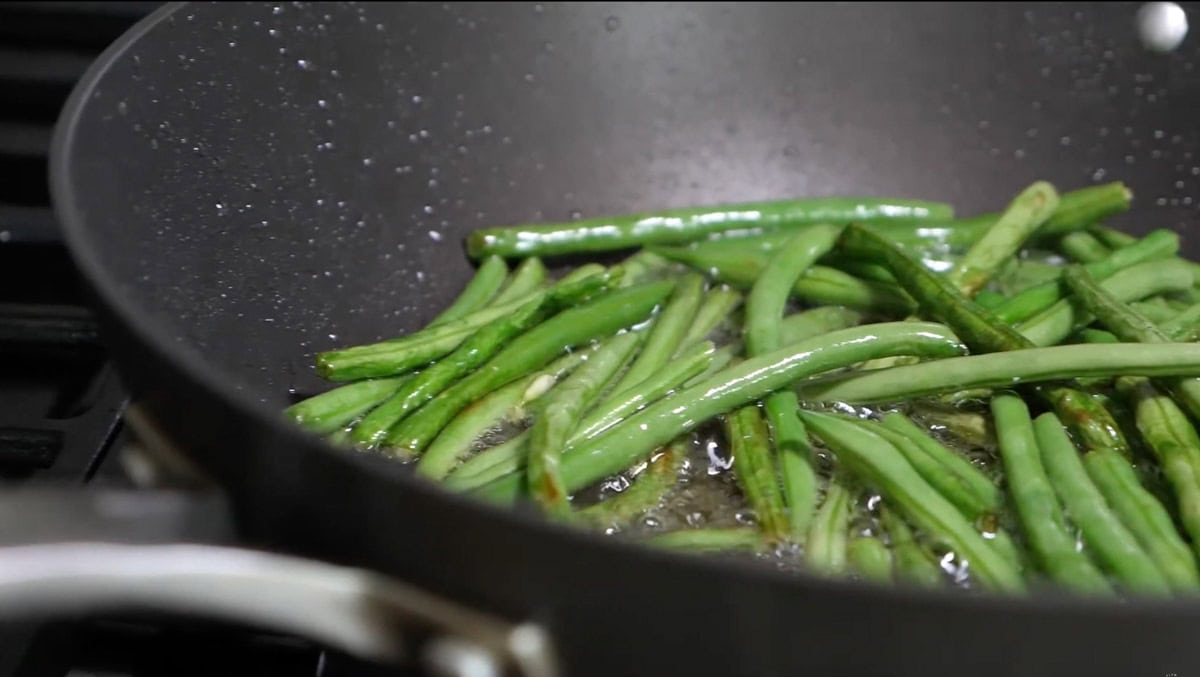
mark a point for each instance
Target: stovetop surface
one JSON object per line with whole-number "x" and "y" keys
{"x": 61, "y": 401}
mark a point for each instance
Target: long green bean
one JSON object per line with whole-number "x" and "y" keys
{"x": 644, "y": 492}
{"x": 1144, "y": 515}
{"x": 454, "y": 442}
{"x": 818, "y": 285}
{"x": 335, "y": 409}
{"x": 560, "y": 417}
{"x": 1114, "y": 546}
{"x": 483, "y": 286}
{"x": 525, "y": 280}
{"x": 994, "y": 370}
{"x": 709, "y": 540}
{"x": 510, "y": 456}
{"x": 615, "y": 310}
{"x": 683, "y": 225}
{"x": 875, "y": 460}
{"x": 718, "y": 304}
{"x": 1036, "y": 505}
{"x": 764, "y": 312}
{"x": 1081, "y": 247}
{"x": 1157, "y": 245}
{"x": 980, "y": 330}
{"x": 398, "y": 355}
{"x": 667, "y": 332}
{"x": 940, "y": 477}
{"x": 1128, "y": 325}
{"x": 1183, "y": 327}
{"x": 913, "y": 563}
{"x": 1131, "y": 284}
{"x": 870, "y": 558}
{"x": 1175, "y": 444}
{"x": 754, "y": 465}
{"x": 1028, "y": 211}
{"x": 737, "y": 385}
{"x": 825, "y": 548}
{"x": 817, "y": 321}
{"x": 425, "y": 385}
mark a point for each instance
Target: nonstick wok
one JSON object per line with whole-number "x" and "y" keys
{"x": 246, "y": 185}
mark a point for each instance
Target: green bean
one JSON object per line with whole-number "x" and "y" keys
{"x": 643, "y": 493}
{"x": 1028, "y": 211}
{"x": 1114, "y": 546}
{"x": 859, "y": 269}
{"x": 819, "y": 284}
{"x": 1081, "y": 247}
{"x": 982, "y": 332}
{"x": 870, "y": 558}
{"x": 912, "y": 562}
{"x": 1022, "y": 273}
{"x": 983, "y": 495}
{"x": 605, "y": 315}
{"x": 1111, "y": 237}
{"x": 561, "y": 415}
{"x": 995, "y": 370}
{"x": 1128, "y": 325}
{"x": 1185, "y": 326}
{"x": 642, "y": 266}
{"x": 399, "y": 355}
{"x": 972, "y": 476}
{"x": 456, "y": 439}
{"x": 1131, "y": 284}
{"x": 969, "y": 427}
{"x": 768, "y": 297}
{"x": 816, "y": 321}
{"x": 825, "y": 549}
{"x": 875, "y": 460}
{"x": 990, "y": 299}
{"x": 1156, "y": 245}
{"x": 764, "y": 312}
{"x": 483, "y": 286}
{"x": 510, "y": 456}
{"x": 692, "y": 223}
{"x": 754, "y": 466}
{"x": 1033, "y": 496}
{"x": 426, "y": 384}
{"x": 1145, "y": 517}
{"x": 1003, "y": 545}
{"x": 625, "y": 443}
{"x": 616, "y": 406}
{"x": 1154, "y": 311}
{"x": 1081, "y": 208}
{"x": 1118, "y": 240}
{"x": 525, "y": 280}
{"x": 335, "y": 409}
{"x": 666, "y": 333}
{"x": 709, "y": 540}
{"x": 938, "y": 476}
{"x": 718, "y": 304}
{"x": 1175, "y": 444}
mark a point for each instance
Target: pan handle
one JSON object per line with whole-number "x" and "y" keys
{"x": 84, "y": 551}
{"x": 364, "y": 614}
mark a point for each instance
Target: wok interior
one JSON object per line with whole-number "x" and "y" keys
{"x": 264, "y": 182}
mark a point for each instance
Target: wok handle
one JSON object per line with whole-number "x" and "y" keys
{"x": 83, "y": 551}
{"x": 364, "y": 614}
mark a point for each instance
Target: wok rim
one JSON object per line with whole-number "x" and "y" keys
{"x": 1052, "y": 600}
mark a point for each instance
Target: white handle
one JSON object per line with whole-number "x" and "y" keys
{"x": 359, "y": 612}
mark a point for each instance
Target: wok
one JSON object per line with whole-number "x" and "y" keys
{"x": 246, "y": 185}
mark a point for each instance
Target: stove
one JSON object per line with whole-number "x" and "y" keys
{"x": 62, "y": 406}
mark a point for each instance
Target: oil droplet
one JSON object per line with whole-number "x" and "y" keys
{"x": 435, "y": 236}
{"x": 612, "y": 23}
{"x": 575, "y": 214}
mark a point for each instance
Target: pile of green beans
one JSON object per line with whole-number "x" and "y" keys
{"x": 868, "y": 387}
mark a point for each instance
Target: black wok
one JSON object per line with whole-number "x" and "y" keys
{"x": 245, "y": 185}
